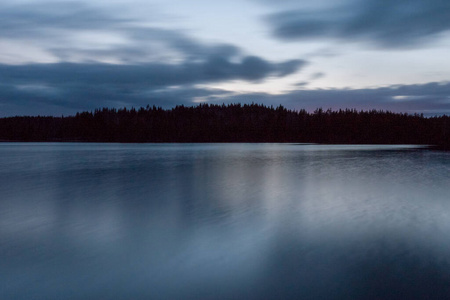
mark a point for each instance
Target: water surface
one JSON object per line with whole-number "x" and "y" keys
{"x": 223, "y": 221}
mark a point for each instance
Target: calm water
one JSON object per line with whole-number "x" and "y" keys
{"x": 223, "y": 221}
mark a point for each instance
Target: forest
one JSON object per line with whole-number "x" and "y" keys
{"x": 230, "y": 123}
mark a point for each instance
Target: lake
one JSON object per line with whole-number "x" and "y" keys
{"x": 223, "y": 221}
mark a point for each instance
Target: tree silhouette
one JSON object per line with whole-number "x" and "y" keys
{"x": 231, "y": 123}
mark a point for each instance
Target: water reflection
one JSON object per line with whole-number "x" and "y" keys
{"x": 221, "y": 221}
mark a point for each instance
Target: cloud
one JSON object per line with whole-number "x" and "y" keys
{"x": 151, "y": 75}
{"x": 104, "y": 58}
{"x": 301, "y": 83}
{"x": 18, "y": 20}
{"x": 317, "y": 75}
{"x": 385, "y": 24}
{"x": 87, "y": 86}
{"x": 431, "y": 98}
{"x": 77, "y": 32}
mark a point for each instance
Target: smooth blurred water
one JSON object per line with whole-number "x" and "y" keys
{"x": 223, "y": 221}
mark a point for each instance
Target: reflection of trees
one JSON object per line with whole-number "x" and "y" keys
{"x": 230, "y": 123}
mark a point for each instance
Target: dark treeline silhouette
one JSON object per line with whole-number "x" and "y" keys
{"x": 231, "y": 123}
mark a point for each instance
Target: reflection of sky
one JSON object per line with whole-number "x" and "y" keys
{"x": 202, "y": 220}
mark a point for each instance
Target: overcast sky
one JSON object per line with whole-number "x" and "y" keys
{"x": 61, "y": 57}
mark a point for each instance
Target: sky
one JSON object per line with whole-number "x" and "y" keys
{"x": 62, "y": 57}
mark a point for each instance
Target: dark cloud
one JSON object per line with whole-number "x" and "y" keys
{"x": 384, "y": 23}
{"x": 302, "y": 83}
{"x": 87, "y": 86}
{"x": 212, "y": 69}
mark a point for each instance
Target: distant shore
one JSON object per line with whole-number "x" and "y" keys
{"x": 233, "y": 123}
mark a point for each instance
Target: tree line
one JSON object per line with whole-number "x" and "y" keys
{"x": 231, "y": 123}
